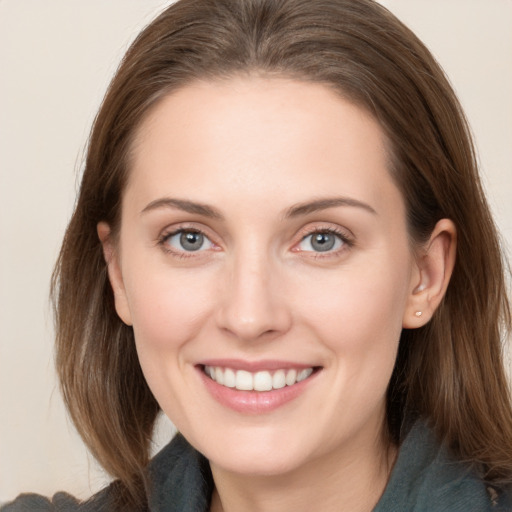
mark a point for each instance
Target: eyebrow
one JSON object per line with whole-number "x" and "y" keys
{"x": 186, "y": 206}
{"x": 324, "y": 204}
{"x": 294, "y": 211}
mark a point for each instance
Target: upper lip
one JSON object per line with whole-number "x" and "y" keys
{"x": 255, "y": 366}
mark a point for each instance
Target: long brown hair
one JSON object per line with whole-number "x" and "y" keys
{"x": 450, "y": 371}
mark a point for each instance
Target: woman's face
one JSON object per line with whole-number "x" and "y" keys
{"x": 263, "y": 241}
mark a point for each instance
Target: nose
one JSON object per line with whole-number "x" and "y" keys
{"x": 253, "y": 304}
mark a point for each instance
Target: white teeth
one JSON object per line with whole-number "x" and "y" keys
{"x": 219, "y": 375}
{"x": 279, "y": 379}
{"x": 243, "y": 381}
{"x": 229, "y": 378}
{"x": 304, "y": 374}
{"x": 258, "y": 381}
{"x": 263, "y": 381}
{"x": 291, "y": 377}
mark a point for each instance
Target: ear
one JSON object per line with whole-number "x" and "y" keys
{"x": 114, "y": 272}
{"x": 432, "y": 273}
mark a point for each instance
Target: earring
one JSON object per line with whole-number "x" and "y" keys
{"x": 418, "y": 313}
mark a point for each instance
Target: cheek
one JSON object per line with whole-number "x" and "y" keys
{"x": 358, "y": 311}
{"x": 167, "y": 309}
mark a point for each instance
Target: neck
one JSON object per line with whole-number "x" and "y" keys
{"x": 342, "y": 481}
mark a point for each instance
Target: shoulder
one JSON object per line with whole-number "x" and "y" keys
{"x": 426, "y": 477}
{"x": 179, "y": 480}
{"x": 103, "y": 501}
{"x": 61, "y": 502}
{"x": 25, "y": 502}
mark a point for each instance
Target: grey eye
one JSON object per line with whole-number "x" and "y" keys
{"x": 189, "y": 241}
{"x": 321, "y": 241}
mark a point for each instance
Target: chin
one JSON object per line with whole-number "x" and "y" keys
{"x": 256, "y": 454}
{"x": 252, "y": 464}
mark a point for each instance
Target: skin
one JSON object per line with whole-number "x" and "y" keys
{"x": 252, "y": 149}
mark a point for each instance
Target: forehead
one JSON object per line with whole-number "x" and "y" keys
{"x": 259, "y": 137}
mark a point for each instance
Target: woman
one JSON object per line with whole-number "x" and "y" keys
{"x": 281, "y": 241}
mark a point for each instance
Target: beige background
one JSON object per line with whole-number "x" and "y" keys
{"x": 56, "y": 58}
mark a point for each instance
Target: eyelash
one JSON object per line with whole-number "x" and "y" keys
{"x": 347, "y": 242}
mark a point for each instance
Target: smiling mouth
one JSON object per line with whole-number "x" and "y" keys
{"x": 243, "y": 380}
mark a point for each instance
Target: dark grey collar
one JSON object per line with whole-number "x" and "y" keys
{"x": 181, "y": 480}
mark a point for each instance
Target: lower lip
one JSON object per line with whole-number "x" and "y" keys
{"x": 254, "y": 402}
